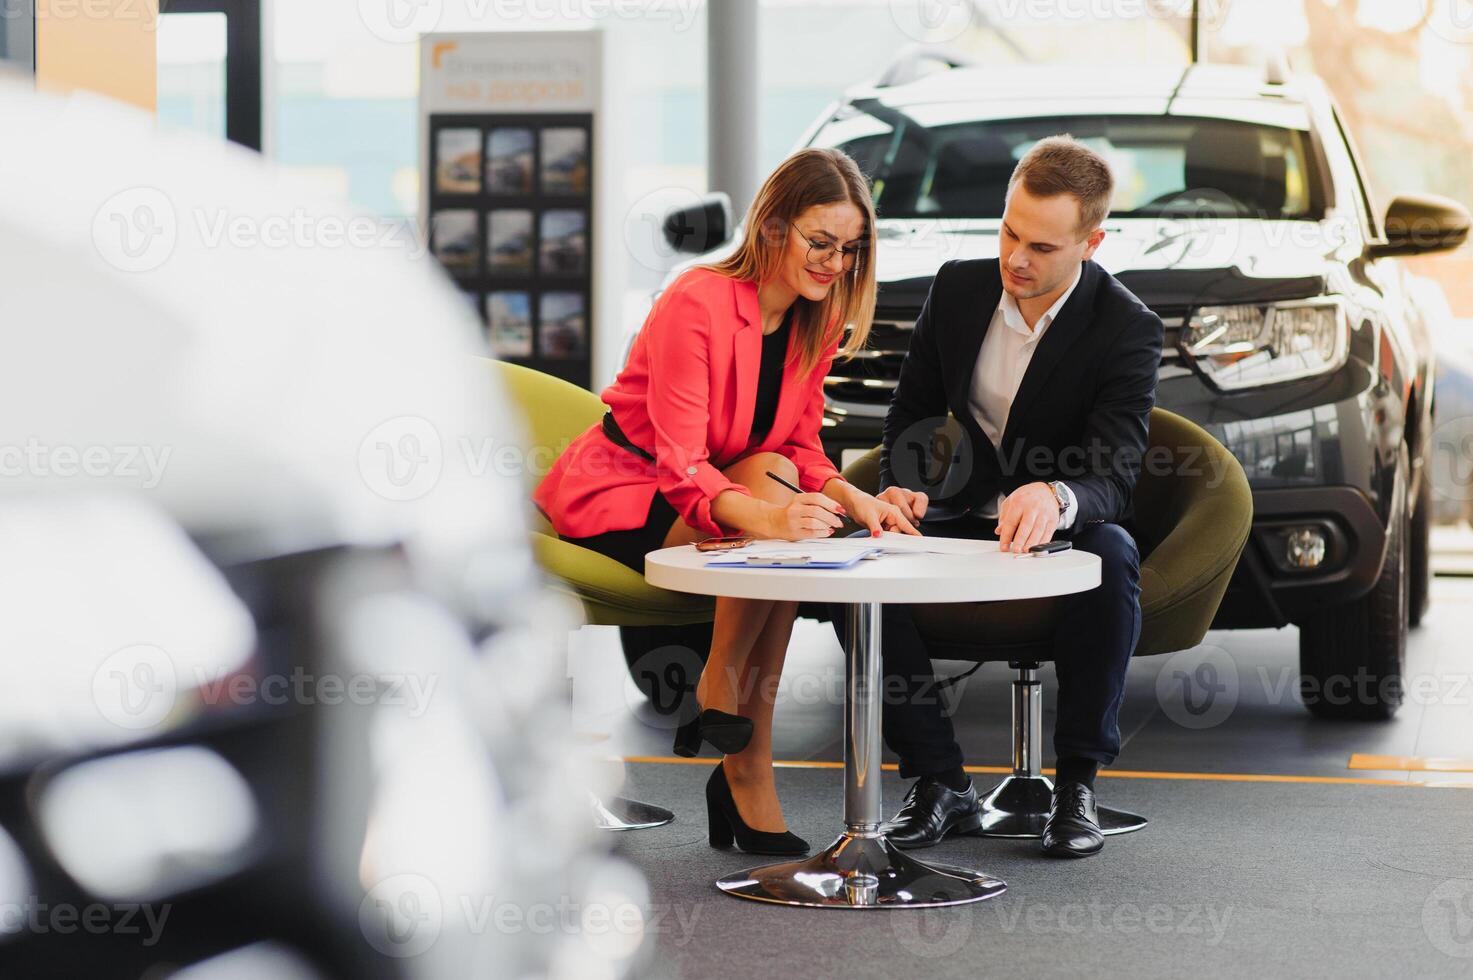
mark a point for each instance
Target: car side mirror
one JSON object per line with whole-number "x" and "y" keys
{"x": 701, "y": 226}
{"x": 1418, "y": 224}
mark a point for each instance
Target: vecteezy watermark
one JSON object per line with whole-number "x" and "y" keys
{"x": 400, "y": 21}
{"x": 402, "y": 458}
{"x": 137, "y": 230}
{"x": 138, "y": 687}
{"x": 1451, "y": 20}
{"x": 401, "y": 916}
{"x": 40, "y": 460}
{"x": 300, "y": 228}
{"x": 934, "y": 933}
{"x": 940, "y": 21}
{"x": 411, "y": 692}
{"x": 403, "y": 21}
{"x": 667, "y": 677}
{"x": 680, "y": 13}
{"x": 113, "y": 11}
{"x": 1198, "y": 688}
{"x": 928, "y": 456}
{"x": 1207, "y": 225}
{"x": 1126, "y": 918}
{"x": 1201, "y": 687}
{"x": 94, "y": 919}
{"x": 1452, "y": 458}
{"x": 1210, "y": 13}
{"x": 404, "y": 915}
{"x": 933, "y": 21}
{"x": 645, "y": 221}
{"x": 1447, "y": 918}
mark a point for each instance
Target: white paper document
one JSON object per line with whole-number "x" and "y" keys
{"x": 830, "y": 553}
{"x": 890, "y": 543}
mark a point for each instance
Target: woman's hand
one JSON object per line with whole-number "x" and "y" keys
{"x": 878, "y": 515}
{"x": 807, "y": 515}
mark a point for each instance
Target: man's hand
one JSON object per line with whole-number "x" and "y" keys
{"x": 1028, "y": 516}
{"x": 910, "y": 503}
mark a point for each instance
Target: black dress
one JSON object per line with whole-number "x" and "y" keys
{"x": 630, "y": 546}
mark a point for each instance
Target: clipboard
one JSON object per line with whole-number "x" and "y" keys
{"x": 776, "y": 560}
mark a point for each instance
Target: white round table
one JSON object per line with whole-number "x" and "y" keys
{"x": 862, "y": 869}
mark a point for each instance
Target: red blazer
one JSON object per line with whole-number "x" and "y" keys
{"x": 687, "y": 395}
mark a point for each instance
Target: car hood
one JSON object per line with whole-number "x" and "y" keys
{"x": 1165, "y": 262}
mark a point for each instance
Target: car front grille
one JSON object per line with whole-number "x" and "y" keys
{"x": 863, "y": 386}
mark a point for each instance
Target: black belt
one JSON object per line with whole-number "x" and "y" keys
{"x": 617, "y": 437}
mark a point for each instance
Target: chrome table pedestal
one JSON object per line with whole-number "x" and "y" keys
{"x": 1018, "y": 806}
{"x": 862, "y": 870}
{"x": 621, "y": 814}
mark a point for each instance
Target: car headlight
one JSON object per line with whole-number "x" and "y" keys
{"x": 1247, "y": 346}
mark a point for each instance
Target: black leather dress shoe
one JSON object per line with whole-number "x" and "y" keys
{"x": 1073, "y": 827}
{"x": 931, "y": 811}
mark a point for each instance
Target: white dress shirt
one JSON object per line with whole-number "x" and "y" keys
{"x": 1006, "y": 352}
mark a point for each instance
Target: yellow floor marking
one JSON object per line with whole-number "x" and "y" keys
{"x": 1230, "y": 777}
{"x": 1409, "y": 763}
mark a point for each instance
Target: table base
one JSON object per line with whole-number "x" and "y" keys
{"x": 622, "y": 814}
{"x": 861, "y": 872}
{"x": 1018, "y": 807}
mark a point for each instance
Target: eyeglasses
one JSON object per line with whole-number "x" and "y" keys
{"x": 820, "y": 251}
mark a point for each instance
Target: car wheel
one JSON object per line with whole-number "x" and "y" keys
{"x": 1419, "y": 555}
{"x": 1351, "y": 656}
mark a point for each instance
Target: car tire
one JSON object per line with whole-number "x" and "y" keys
{"x": 1419, "y": 556}
{"x": 1351, "y": 656}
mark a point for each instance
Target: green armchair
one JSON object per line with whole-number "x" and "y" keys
{"x": 554, "y": 414}
{"x": 1190, "y": 529}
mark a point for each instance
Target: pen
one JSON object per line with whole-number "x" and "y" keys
{"x": 793, "y": 488}
{"x": 783, "y": 482}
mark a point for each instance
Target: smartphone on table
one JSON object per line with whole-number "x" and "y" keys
{"x": 724, "y": 543}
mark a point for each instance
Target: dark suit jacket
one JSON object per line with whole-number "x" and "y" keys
{"x": 1080, "y": 414}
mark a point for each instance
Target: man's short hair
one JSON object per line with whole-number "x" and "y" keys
{"x": 1063, "y": 165}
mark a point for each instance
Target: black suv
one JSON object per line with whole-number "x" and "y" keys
{"x": 1292, "y": 335}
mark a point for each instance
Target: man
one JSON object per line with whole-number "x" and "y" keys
{"x": 1049, "y": 366}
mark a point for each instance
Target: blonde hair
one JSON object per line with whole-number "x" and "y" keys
{"x": 807, "y": 179}
{"x": 1063, "y": 165}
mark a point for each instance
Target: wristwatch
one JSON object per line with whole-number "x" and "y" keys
{"x": 1058, "y": 489}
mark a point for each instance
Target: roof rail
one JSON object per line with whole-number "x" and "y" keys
{"x": 910, "y": 64}
{"x": 1276, "y": 70}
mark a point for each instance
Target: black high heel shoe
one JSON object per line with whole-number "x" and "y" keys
{"x": 728, "y": 733}
{"x": 727, "y": 825}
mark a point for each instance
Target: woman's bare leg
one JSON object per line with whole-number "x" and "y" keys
{"x": 750, "y": 771}
{"x": 748, "y": 643}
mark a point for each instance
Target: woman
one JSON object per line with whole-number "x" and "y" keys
{"x": 725, "y": 383}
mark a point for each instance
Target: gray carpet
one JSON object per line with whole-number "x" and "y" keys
{"x": 1228, "y": 880}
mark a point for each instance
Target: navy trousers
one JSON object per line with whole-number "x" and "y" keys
{"x": 1092, "y": 644}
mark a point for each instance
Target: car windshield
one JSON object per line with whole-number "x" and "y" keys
{"x": 1163, "y": 165}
